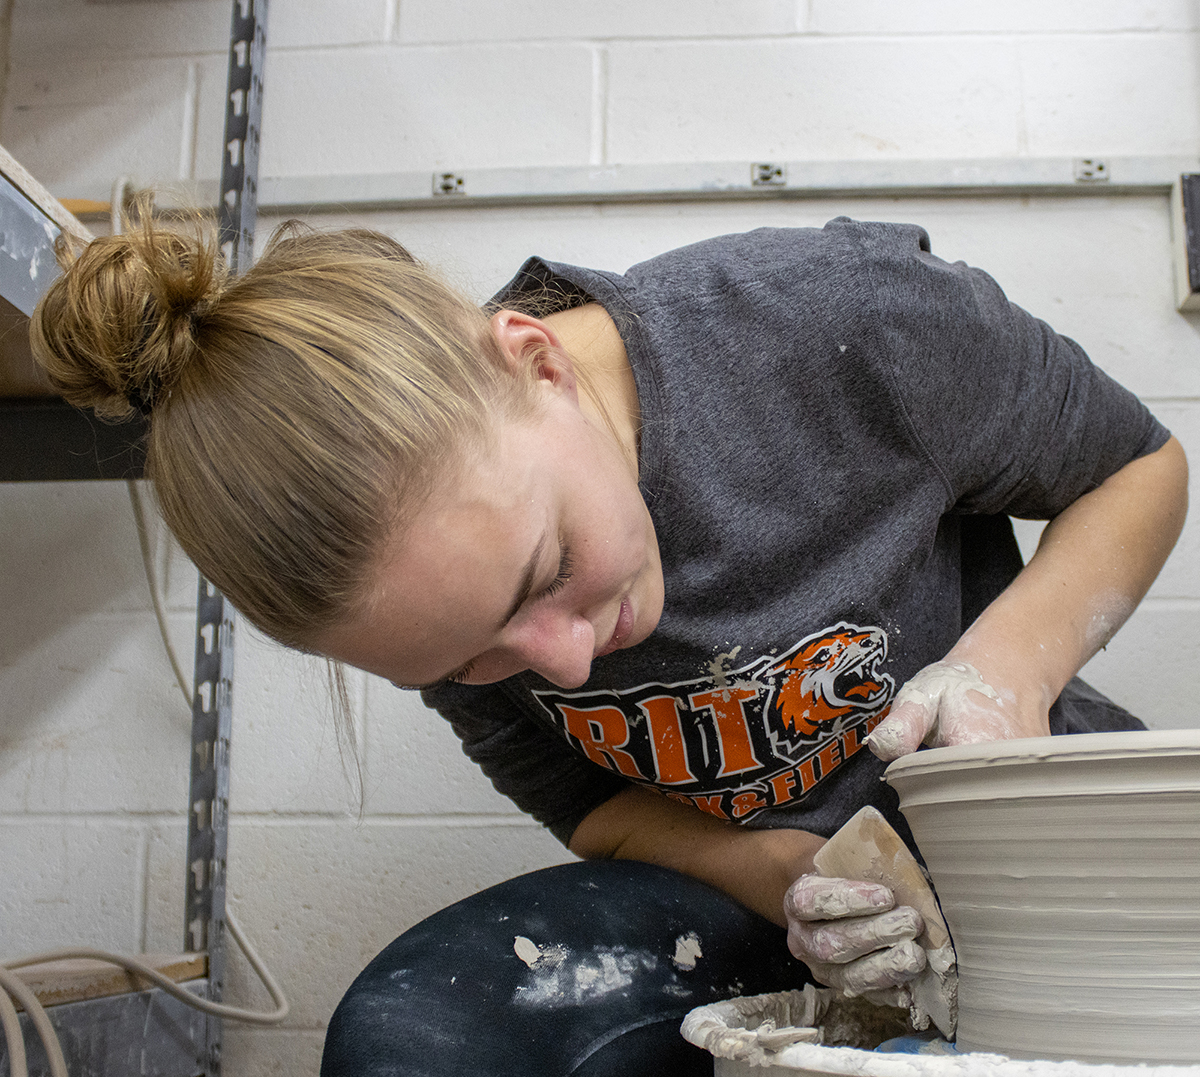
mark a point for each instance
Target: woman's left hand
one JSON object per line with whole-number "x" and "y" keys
{"x": 949, "y": 702}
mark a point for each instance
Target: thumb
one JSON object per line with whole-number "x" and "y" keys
{"x": 903, "y": 730}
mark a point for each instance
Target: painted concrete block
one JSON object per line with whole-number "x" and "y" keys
{"x": 1091, "y": 95}
{"x": 70, "y": 549}
{"x": 320, "y": 900}
{"x": 1016, "y": 16}
{"x": 165, "y": 884}
{"x": 812, "y": 99}
{"x": 55, "y": 27}
{"x": 74, "y": 125}
{"x": 212, "y": 80}
{"x": 314, "y": 24}
{"x": 93, "y": 720}
{"x": 381, "y": 110}
{"x": 479, "y": 20}
{"x": 415, "y": 764}
{"x": 284, "y": 756}
{"x": 269, "y": 1052}
{"x": 177, "y": 576}
{"x": 69, "y": 882}
{"x": 51, "y": 29}
{"x": 1149, "y": 666}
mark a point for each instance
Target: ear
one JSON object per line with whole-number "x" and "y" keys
{"x": 530, "y": 346}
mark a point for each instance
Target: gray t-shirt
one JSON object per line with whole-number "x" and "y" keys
{"x": 835, "y": 428}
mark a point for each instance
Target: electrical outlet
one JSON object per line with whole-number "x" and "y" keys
{"x": 449, "y": 183}
{"x": 1091, "y": 170}
{"x": 767, "y": 174}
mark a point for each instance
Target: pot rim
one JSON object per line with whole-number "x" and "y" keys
{"x": 1142, "y": 744}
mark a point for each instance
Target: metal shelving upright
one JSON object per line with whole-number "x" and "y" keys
{"x": 44, "y": 439}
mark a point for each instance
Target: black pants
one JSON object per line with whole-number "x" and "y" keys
{"x": 585, "y": 969}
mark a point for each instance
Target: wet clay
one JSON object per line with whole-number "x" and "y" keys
{"x": 949, "y": 693}
{"x": 1068, "y": 870}
{"x": 749, "y": 1038}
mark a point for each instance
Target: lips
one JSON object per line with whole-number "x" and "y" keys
{"x": 621, "y": 632}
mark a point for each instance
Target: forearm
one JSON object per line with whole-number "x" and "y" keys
{"x": 753, "y": 866}
{"x": 1095, "y": 562}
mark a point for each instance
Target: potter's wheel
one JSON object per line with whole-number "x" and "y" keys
{"x": 1068, "y": 869}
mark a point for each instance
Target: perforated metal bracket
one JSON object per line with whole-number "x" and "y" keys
{"x": 208, "y": 814}
{"x": 212, "y": 704}
{"x": 243, "y": 118}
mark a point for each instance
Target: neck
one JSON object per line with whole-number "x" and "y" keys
{"x": 607, "y": 391}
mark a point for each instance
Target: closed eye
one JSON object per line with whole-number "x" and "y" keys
{"x": 460, "y": 675}
{"x": 566, "y": 565}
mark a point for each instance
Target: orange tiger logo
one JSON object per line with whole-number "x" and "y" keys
{"x": 831, "y": 675}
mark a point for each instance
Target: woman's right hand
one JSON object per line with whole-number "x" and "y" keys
{"x": 853, "y": 936}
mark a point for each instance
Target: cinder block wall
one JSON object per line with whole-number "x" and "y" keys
{"x": 93, "y": 732}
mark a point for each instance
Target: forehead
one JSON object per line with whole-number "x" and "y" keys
{"x": 444, "y": 582}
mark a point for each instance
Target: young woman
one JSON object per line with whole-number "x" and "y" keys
{"x": 667, "y": 549}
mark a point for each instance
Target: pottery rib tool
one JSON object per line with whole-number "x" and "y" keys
{"x": 868, "y": 848}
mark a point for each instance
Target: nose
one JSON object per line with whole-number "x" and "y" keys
{"x": 559, "y": 648}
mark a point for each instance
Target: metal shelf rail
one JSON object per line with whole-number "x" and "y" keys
{"x": 42, "y": 438}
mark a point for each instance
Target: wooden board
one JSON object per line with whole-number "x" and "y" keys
{"x": 55, "y": 982}
{"x": 40, "y": 197}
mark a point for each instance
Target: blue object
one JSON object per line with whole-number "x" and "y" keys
{"x": 919, "y": 1043}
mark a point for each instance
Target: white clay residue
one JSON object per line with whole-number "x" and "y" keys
{"x": 948, "y": 710}
{"x": 717, "y": 667}
{"x": 687, "y": 951}
{"x": 1110, "y": 612}
{"x": 560, "y": 978}
{"x": 527, "y": 950}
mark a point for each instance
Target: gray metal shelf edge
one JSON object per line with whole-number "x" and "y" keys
{"x": 43, "y": 438}
{"x": 47, "y": 439}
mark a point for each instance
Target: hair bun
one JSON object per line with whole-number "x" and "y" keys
{"x": 121, "y": 323}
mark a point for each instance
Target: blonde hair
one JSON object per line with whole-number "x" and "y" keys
{"x": 299, "y": 413}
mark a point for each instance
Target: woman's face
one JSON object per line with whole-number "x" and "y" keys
{"x": 540, "y": 555}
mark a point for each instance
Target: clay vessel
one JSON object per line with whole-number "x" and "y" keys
{"x": 1068, "y": 870}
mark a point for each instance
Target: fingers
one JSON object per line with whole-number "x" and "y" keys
{"x": 877, "y": 972}
{"x": 852, "y": 936}
{"x": 841, "y": 941}
{"x": 899, "y": 997}
{"x": 902, "y": 731}
{"x": 815, "y": 897}
{"x": 944, "y": 703}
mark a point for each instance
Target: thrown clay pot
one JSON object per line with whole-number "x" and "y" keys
{"x": 1068, "y": 870}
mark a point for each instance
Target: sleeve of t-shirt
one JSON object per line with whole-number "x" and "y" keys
{"x": 1014, "y": 415}
{"x": 525, "y": 761}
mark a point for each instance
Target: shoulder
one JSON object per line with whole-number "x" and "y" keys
{"x": 841, "y": 247}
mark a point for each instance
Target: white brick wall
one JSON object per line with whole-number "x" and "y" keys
{"x": 93, "y": 736}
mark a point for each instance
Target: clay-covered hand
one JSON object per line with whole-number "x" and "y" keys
{"x": 950, "y": 703}
{"x": 853, "y": 936}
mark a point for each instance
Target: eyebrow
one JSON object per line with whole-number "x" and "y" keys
{"x": 524, "y": 590}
